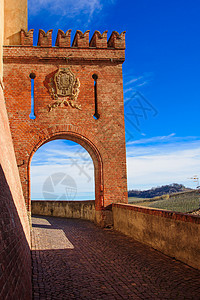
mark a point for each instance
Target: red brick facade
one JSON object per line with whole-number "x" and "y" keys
{"x": 15, "y": 256}
{"x": 103, "y": 138}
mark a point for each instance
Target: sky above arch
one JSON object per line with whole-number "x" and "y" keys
{"x": 161, "y": 78}
{"x": 62, "y": 170}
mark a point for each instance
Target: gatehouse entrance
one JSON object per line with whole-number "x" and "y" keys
{"x": 70, "y": 92}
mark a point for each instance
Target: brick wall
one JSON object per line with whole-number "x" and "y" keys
{"x": 104, "y": 138}
{"x": 15, "y": 258}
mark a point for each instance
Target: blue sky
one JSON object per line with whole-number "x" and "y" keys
{"x": 161, "y": 81}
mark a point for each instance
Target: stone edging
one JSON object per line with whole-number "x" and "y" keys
{"x": 160, "y": 213}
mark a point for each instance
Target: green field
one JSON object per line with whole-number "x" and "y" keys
{"x": 134, "y": 199}
{"x": 185, "y": 202}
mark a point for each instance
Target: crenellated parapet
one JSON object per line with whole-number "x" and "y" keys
{"x": 63, "y": 39}
{"x": 27, "y": 37}
{"x": 117, "y": 40}
{"x": 45, "y": 39}
{"x": 81, "y": 40}
{"x": 99, "y": 40}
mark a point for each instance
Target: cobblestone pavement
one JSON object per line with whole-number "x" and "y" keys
{"x": 75, "y": 259}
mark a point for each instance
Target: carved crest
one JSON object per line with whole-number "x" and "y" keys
{"x": 64, "y": 81}
{"x": 64, "y": 84}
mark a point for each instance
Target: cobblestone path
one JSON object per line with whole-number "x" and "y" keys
{"x": 75, "y": 259}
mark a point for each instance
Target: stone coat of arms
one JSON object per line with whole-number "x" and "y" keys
{"x": 64, "y": 85}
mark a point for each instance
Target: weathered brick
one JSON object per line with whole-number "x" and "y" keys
{"x": 99, "y": 40}
{"x": 63, "y": 39}
{"x": 27, "y": 37}
{"x": 81, "y": 40}
{"x": 45, "y": 39}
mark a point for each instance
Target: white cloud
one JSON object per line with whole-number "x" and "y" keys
{"x": 153, "y": 139}
{"x": 163, "y": 163}
{"x": 83, "y": 177}
{"x": 143, "y": 83}
{"x": 128, "y": 90}
{"x": 151, "y": 162}
{"x": 68, "y": 8}
{"x": 61, "y": 157}
{"x": 133, "y": 83}
{"x": 134, "y": 80}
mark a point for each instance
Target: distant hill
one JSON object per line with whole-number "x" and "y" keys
{"x": 159, "y": 191}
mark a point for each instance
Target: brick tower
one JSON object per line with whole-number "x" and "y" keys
{"x": 78, "y": 95}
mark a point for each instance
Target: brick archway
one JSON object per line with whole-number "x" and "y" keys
{"x": 89, "y": 147}
{"x": 70, "y": 114}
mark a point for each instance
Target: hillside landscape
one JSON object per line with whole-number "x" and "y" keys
{"x": 159, "y": 191}
{"x": 173, "y": 197}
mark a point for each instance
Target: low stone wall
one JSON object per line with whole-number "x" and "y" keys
{"x": 65, "y": 209}
{"x": 174, "y": 234}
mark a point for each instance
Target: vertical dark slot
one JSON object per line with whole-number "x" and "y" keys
{"x": 32, "y": 115}
{"x": 96, "y": 114}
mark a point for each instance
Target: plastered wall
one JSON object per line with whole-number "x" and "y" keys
{"x": 65, "y": 209}
{"x": 174, "y": 234}
{"x": 15, "y": 13}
